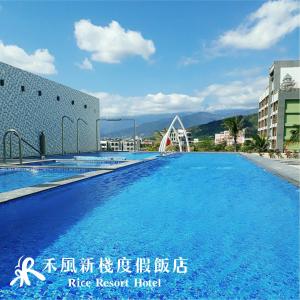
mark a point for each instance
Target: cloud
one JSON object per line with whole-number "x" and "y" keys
{"x": 85, "y": 65}
{"x": 236, "y": 94}
{"x": 117, "y": 105}
{"x": 39, "y": 62}
{"x": 244, "y": 73}
{"x": 112, "y": 43}
{"x": 264, "y": 27}
{"x": 187, "y": 61}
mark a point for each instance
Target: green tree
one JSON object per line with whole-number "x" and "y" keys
{"x": 220, "y": 147}
{"x": 205, "y": 145}
{"x": 260, "y": 144}
{"x": 234, "y": 125}
{"x": 157, "y": 137}
{"x": 247, "y": 147}
{"x": 230, "y": 148}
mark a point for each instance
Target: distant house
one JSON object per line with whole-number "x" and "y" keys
{"x": 224, "y": 137}
{"x": 180, "y": 133}
{"x": 145, "y": 143}
{"x": 119, "y": 145}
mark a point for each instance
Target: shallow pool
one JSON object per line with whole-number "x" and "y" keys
{"x": 129, "y": 155}
{"x": 77, "y": 163}
{"x": 16, "y": 178}
{"x": 236, "y": 224}
{"x": 126, "y": 155}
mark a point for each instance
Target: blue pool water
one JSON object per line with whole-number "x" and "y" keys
{"x": 235, "y": 223}
{"x": 126, "y": 155}
{"x": 74, "y": 163}
{"x": 14, "y": 178}
{"x": 129, "y": 155}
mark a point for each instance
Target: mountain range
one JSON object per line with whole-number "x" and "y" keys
{"x": 210, "y": 129}
{"x": 148, "y": 124}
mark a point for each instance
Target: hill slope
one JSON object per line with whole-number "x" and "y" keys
{"x": 147, "y": 125}
{"x": 211, "y": 128}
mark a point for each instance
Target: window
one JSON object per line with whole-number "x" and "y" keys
{"x": 40, "y": 93}
{"x": 85, "y": 106}
{"x": 72, "y": 102}
{"x": 57, "y": 98}
{"x": 22, "y": 88}
{"x": 1, "y": 82}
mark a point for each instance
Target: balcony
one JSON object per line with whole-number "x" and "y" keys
{"x": 275, "y": 112}
{"x": 263, "y": 117}
{"x": 274, "y": 98}
{"x": 262, "y": 128}
{"x": 263, "y": 107}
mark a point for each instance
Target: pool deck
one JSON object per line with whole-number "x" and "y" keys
{"x": 22, "y": 192}
{"x": 289, "y": 169}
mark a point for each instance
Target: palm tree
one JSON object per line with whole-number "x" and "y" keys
{"x": 260, "y": 144}
{"x": 234, "y": 125}
{"x": 158, "y": 135}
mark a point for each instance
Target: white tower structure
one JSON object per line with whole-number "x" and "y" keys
{"x": 166, "y": 137}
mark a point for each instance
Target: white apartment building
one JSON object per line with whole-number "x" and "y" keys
{"x": 279, "y": 105}
{"x": 226, "y": 138}
{"x": 181, "y": 136}
{"x": 119, "y": 145}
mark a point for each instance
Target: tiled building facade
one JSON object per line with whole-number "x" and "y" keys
{"x": 31, "y": 104}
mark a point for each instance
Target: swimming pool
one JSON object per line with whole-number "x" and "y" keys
{"x": 126, "y": 155}
{"x": 235, "y": 223}
{"x": 129, "y": 155}
{"x": 76, "y": 163}
{"x": 16, "y": 178}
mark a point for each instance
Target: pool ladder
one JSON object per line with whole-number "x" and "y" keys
{"x": 11, "y": 132}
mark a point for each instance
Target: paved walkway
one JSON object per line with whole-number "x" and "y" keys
{"x": 289, "y": 169}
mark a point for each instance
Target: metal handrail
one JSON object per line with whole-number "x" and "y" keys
{"x": 15, "y": 132}
{"x": 31, "y": 146}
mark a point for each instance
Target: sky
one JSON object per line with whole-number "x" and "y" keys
{"x": 153, "y": 57}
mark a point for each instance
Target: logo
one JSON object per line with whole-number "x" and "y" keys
{"x": 23, "y": 268}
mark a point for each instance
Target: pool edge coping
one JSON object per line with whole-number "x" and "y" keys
{"x": 27, "y": 191}
{"x": 272, "y": 170}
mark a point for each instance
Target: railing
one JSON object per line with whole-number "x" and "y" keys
{"x": 32, "y": 147}
{"x": 16, "y": 133}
